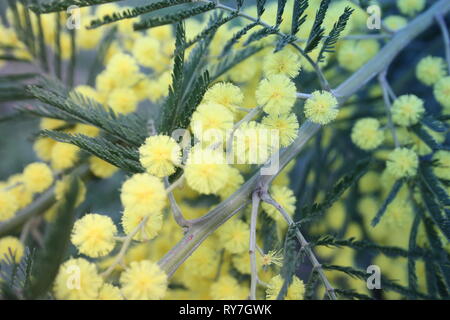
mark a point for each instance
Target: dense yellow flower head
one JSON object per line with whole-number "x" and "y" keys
{"x": 226, "y": 94}
{"x": 143, "y": 194}
{"x": 109, "y": 292}
{"x": 37, "y": 177}
{"x": 19, "y": 192}
{"x": 51, "y": 124}
{"x": 227, "y": 288}
{"x": 77, "y": 279}
{"x": 296, "y": 290}
{"x": 253, "y": 143}
{"x": 285, "y": 197}
{"x": 159, "y": 155}
{"x": 143, "y": 280}
{"x": 407, "y": 110}
{"x": 234, "y": 236}
{"x": 206, "y": 170}
{"x": 100, "y": 168}
{"x": 88, "y": 39}
{"x": 105, "y": 82}
{"x": 395, "y": 22}
{"x": 370, "y": 182}
{"x": 203, "y": 262}
{"x": 402, "y": 163}
{"x": 8, "y": 205}
{"x": 286, "y": 124}
{"x": 132, "y": 218}
{"x": 277, "y": 94}
{"x": 321, "y": 107}
{"x": 353, "y": 54}
{"x": 441, "y": 164}
{"x": 211, "y": 121}
{"x": 411, "y": 7}
{"x": 64, "y": 156}
{"x": 11, "y": 246}
{"x": 367, "y": 134}
{"x": 284, "y": 62}
{"x": 93, "y": 235}
{"x": 160, "y": 87}
{"x": 233, "y": 183}
{"x": 147, "y": 52}
{"x": 441, "y": 92}
{"x": 124, "y": 69}
{"x": 43, "y": 148}
{"x": 430, "y": 70}
{"x": 123, "y": 100}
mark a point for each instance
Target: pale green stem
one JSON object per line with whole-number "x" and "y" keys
{"x": 303, "y": 243}
{"x": 123, "y": 250}
{"x": 252, "y": 245}
{"x": 441, "y": 22}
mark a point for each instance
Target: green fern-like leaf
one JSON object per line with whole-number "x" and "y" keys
{"x": 135, "y": 12}
{"x": 298, "y": 17}
{"x": 333, "y": 36}
{"x": 317, "y": 30}
{"x": 62, "y": 5}
{"x": 178, "y": 16}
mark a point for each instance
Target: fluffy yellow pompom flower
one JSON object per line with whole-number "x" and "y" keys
{"x": 321, "y": 107}
{"x": 143, "y": 280}
{"x": 253, "y": 143}
{"x": 124, "y": 69}
{"x": 296, "y": 290}
{"x": 86, "y": 92}
{"x": 410, "y": 7}
{"x": 8, "y": 205}
{"x": 286, "y": 124}
{"x": 143, "y": 193}
{"x": 407, "y": 110}
{"x": 132, "y": 218}
{"x": 441, "y": 92}
{"x": 277, "y": 94}
{"x": 37, "y": 177}
{"x": 226, "y": 94}
{"x": 11, "y": 245}
{"x": 147, "y": 52}
{"x": 19, "y": 192}
{"x": 402, "y": 163}
{"x": 206, "y": 170}
{"x": 64, "y": 156}
{"x": 227, "y": 288}
{"x": 109, "y": 292}
{"x": 442, "y": 164}
{"x": 395, "y": 22}
{"x": 367, "y": 134}
{"x": 123, "y": 100}
{"x": 93, "y": 235}
{"x": 234, "y": 235}
{"x": 210, "y": 122}
{"x": 284, "y": 62}
{"x": 285, "y": 197}
{"x": 77, "y": 279}
{"x": 430, "y": 70}
{"x": 51, "y": 124}
{"x": 100, "y": 168}
{"x": 203, "y": 262}
{"x": 159, "y": 155}
{"x": 353, "y": 54}
{"x": 234, "y": 181}
{"x": 43, "y": 148}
